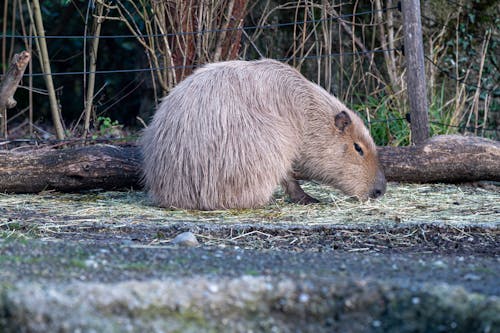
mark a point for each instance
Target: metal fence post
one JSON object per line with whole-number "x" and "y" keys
{"x": 415, "y": 70}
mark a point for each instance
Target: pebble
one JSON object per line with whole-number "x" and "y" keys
{"x": 472, "y": 277}
{"x": 213, "y": 288}
{"x": 91, "y": 263}
{"x": 303, "y": 298}
{"x": 439, "y": 264}
{"x": 186, "y": 239}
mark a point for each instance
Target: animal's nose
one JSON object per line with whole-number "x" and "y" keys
{"x": 379, "y": 186}
{"x": 377, "y": 193}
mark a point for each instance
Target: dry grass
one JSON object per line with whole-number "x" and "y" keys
{"x": 180, "y": 35}
{"x": 441, "y": 204}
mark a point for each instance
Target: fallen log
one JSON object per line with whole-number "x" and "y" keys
{"x": 104, "y": 167}
{"x": 450, "y": 159}
{"x": 444, "y": 159}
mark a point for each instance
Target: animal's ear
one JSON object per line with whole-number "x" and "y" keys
{"x": 342, "y": 120}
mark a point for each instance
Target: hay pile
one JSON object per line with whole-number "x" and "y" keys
{"x": 403, "y": 203}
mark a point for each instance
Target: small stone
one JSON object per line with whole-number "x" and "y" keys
{"x": 303, "y": 298}
{"x": 213, "y": 288}
{"x": 91, "y": 263}
{"x": 186, "y": 239}
{"x": 472, "y": 277}
{"x": 439, "y": 264}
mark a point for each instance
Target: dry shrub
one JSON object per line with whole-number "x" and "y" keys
{"x": 178, "y": 35}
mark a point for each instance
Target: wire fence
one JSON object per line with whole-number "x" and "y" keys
{"x": 203, "y": 32}
{"x": 452, "y": 27}
{"x": 244, "y": 28}
{"x": 408, "y": 120}
{"x": 459, "y": 80}
{"x": 337, "y": 18}
{"x": 132, "y": 139}
{"x": 139, "y": 70}
{"x": 206, "y": 31}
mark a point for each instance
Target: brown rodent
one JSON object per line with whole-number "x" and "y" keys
{"x": 231, "y": 132}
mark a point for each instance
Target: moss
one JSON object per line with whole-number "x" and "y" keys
{"x": 136, "y": 266}
{"x": 77, "y": 263}
{"x": 251, "y": 272}
{"x": 14, "y": 230}
{"x": 9, "y": 258}
{"x": 14, "y": 236}
{"x": 4, "y": 259}
{"x": 487, "y": 270}
{"x": 189, "y": 321}
{"x": 171, "y": 320}
{"x": 440, "y": 310}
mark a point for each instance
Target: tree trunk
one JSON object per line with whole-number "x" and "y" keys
{"x": 448, "y": 158}
{"x": 70, "y": 170}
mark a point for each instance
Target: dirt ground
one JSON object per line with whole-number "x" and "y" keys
{"x": 416, "y": 236}
{"x": 458, "y": 225}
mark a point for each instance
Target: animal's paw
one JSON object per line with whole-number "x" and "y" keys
{"x": 305, "y": 200}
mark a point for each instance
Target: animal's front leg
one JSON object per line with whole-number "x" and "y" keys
{"x": 295, "y": 192}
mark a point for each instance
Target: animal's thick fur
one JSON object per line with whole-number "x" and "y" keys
{"x": 227, "y": 135}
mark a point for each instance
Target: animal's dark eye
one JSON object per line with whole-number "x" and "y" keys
{"x": 358, "y": 149}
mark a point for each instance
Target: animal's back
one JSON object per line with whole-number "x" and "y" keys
{"x": 224, "y": 137}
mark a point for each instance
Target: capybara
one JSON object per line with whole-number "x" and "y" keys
{"x": 231, "y": 132}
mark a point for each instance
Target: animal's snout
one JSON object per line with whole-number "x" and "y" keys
{"x": 378, "y": 192}
{"x": 379, "y": 186}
